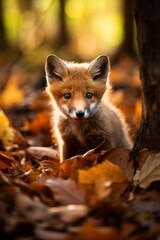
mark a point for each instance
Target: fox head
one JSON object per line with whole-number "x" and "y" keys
{"x": 76, "y": 89}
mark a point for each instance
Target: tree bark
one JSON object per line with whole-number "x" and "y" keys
{"x": 63, "y": 32}
{"x": 147, "y": 14}
{"x": 128, "y": 45}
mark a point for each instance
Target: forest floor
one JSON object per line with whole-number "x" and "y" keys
{"x": 99, "y": 195}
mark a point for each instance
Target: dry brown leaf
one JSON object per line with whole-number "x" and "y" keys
{"x": 118, "y": 189}
{"x": 120, "y": 157}
{"x": 69, "y": 213}
{"x": 110, "y": 171}
{"x": 91, "y": 231}
{"x": 102, "y": 189}
{"x": 44, "y": 234}
{"x": 6, "y": 160}
{"x": 142, "y": 157}
{"x": 40, "y": 152}
{"x": 66, "y": 191}
{"x": 44, "y": 192}
{"x": 148, "y": 235}
{"x": 32, "y": 210}
{"x": 150, "y": 171}
{"x": 69, "y": 167}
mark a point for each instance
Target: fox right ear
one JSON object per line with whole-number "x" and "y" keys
{"x": 55, "y": 68}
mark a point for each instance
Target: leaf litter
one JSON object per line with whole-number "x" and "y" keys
{"x": 98, "y": 195}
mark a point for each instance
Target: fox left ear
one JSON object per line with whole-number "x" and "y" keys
{"x": 99, "y": 68}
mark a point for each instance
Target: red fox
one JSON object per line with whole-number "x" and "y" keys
{"x": 82, "y": 117}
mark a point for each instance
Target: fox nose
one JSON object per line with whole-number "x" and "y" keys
{"x": 80, "y": 114}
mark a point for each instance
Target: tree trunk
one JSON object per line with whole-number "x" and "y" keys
{"x": 128, "y": 45}
{"x": 63, "y": 33}
{"x": 147, "y": 14}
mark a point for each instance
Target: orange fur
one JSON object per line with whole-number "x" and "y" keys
{"x": 82, "y": 117}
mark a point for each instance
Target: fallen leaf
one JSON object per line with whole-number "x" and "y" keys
{"x": 6, "y": 160}
{"x": 120, "y": 157}
{"x": 6, "y": 131}
{"x": 102, "y": 188}
{"x": 69, "y": 213}
{"x": 91, "y": 231}
{"x": 150, "y": 206}
{"x": 148, "y": 235}
{"x": 68, "y": 168}
{"x": 33, "y": 210}
{"x": 141, "y": 158}
{"x": 44, "y": 234}
{"x": 49, "y": 167}
{"x": 110, "y": 171}
{"x": 150, "y": 171}
{"x": 41, "y": 190}
{"x": 66, "y": 191}
{"x": 41, "y": 152}
{"x": 12, "y": 94}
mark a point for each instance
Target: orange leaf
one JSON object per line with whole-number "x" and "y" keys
{"x": 120, "y": 157}
{"x": 12, "y": 94}
{"x": 6, "y": 132}
{"x": 5, "y": 160}
{"x": 110, "y": 171}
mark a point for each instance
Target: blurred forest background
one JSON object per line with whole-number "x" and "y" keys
{"x": 77, "y": 30}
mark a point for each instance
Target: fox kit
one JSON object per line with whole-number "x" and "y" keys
{"x": 82, "y": 118}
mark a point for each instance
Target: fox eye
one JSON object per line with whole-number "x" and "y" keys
{"x": 67, "y": 95}
{"x": 89, "y": 95}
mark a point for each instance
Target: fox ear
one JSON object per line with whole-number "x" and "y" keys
{"x": 99, "y": 68}
{"x": 55, "y": 68}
